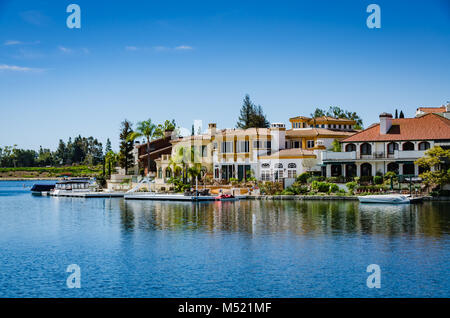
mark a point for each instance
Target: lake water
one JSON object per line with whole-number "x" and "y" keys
{"x": 219, "y": 249}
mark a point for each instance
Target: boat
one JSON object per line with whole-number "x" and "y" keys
{"x": 41, "y": 189}
{"x": 225, "y": 197}
{"x": 73, "y": 185}
{"x": 385, "y": 198}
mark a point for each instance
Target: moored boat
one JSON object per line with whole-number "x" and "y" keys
{"x": 41, "y": 189}
{"x": 385, "y": 198}
{"x": 226, "y": 197}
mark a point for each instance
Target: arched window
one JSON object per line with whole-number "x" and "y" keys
{"x": 366, "y": 169}
{"x": 292, "y": 165}
{"x": 392, "y": 166}
{"x": 392, "y": 146}
{"x": 168, "y": 172}
{"x": 350, "y": 148}
{"x": 408, "y": 146}
{"x": 366, "y": 149}
{"x": 279, "y": 165}
{"x": 265, "y": 165}
{"x": 160, "y": 173}
{"x": 424, "y": 145}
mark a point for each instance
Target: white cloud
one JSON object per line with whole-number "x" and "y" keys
{"x": 65, "y": 49}
{"x": 131, "y": 48}
{"x": 184, "y": 47}
{"x": 12, "y": 42}
{"x": 15, "y": 68}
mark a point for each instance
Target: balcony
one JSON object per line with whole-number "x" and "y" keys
{"x": 331, "y": 155}
{"x": 353, "y": 155}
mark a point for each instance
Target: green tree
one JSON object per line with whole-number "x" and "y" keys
{"x": 161, "y": 129}
{"x": 126, "y": 145}
{"x": 144, "y": 129}
{"x": 401, "y": 114}
{"x": 108, "y": 147}
{"x": 251, "y": 115}
{"x": 336, "y": 146}
{"x": 436, "y": 159}
{"x": 337, "y": 112}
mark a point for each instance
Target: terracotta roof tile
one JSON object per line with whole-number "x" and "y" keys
{"x": 289, "y": 153}
{"x": 432, "y": 109}
{"x": 427, "y": 127}
{"x": 311, "y": 132}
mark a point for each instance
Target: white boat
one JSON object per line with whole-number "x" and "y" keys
{"x": 385, "y": 198}
{"x": 73, "y": 185}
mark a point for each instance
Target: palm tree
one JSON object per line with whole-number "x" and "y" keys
{"x": 145, "y": 129}
{"x": 184, "y": 157}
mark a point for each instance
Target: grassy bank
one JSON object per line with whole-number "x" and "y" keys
{"x": 50, "y": 172}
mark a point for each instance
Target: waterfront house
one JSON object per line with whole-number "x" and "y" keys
{"x": 442, "y": 111}
{"x": 390, "y": 145}
{"x": 158, "y": 147}
{"x": 267, "y": 154}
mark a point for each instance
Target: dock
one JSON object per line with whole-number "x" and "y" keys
{"x": 173, "y": 197}
{"x": 91, "y": 194}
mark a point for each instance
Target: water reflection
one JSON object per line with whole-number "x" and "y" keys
{"x": 299, "y": 217}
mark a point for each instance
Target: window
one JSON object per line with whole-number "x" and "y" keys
{"x": 242, "y": 146}
{"x": 296, "y": 144}
{"x": 168, "y": 172}
{"x": 292, "y": 173}
{"x": 292, "y": 165}
{"x": 216, "y": 173}
{"x": 160, "y": 173}
{"x": 350, "y": 148}
{"x": 310, "y": 144}
{"x": 392, "y": 147}
{"x": 215, "y": 145}
{"x": 227, "y": 147}
{"x": 279, "y": 165}
{"x": 262, "y": 144}
{"x": 265, "y": 165}
{"x": 366, "y": 149}
{"x": 407, "y": 146}
{"x": 323, "y": 126}
{"x": 204, "y": 151}
{"x": 265, "y": 175}
{"x": 424, "y": 145}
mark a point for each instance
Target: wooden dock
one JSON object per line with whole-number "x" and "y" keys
{"x": 90, "y": 194}
{"x": 173, "y": 197}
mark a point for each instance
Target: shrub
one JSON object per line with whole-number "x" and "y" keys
{"x": 378, "y": 179}
{"x": 303, "y": 178}
{"x": 351, "y": 186}
{"x": 333, "y": 187}
{"x": 287, "y": 192}
{"x": 366, "y": 179}
{"x": 320, "y": 186}
{"x": 271, "y": 188}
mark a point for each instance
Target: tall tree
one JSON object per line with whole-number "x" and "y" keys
{"x": 251, "y": 115}
{"x": 396, "y": 113}
{"x": 108, "y": 147}
{"x": 161, "y": 129}
{"x": 145, "y": 129}
{"x": 401, "y": 114}
{"x": 126, "y": 145}
{"x": 337, "y": 112}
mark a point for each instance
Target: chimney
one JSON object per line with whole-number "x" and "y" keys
{"x": 212, "y": 129}
{"x": 278, "y": 133}
{"x": 168, "y": 133}
{"x": 385, "y": 123}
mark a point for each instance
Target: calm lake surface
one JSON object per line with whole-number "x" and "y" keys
{"x": 219, "y": 249}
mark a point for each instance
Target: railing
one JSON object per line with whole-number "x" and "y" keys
{"x": 331, "y": 155}
{"x": 352, "y": 155}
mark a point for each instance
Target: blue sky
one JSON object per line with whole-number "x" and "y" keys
{"x": 192, "y": 60}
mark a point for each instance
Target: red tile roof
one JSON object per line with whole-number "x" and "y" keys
{"x": 432, "y": 109}
{"x": 427, "y": 127}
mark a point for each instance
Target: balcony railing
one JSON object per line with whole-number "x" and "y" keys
{"x": 352, "y": 155}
